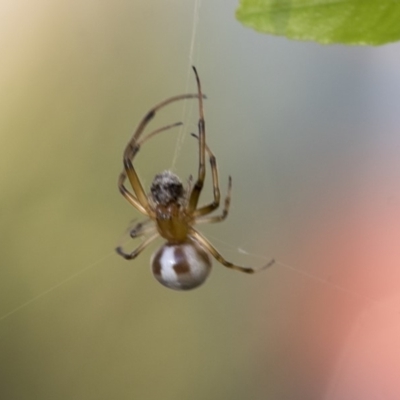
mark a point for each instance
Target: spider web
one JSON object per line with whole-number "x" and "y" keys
{"x": 181, "y": 135}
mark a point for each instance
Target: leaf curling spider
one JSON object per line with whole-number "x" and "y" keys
{"x": 183, "y": 262}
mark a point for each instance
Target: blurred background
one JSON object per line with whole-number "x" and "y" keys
{"x": 311, "y": 137}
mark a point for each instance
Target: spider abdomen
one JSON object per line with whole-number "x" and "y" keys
{"x": 181, "y": 266}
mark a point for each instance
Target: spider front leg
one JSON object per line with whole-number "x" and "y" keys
{"x": 198, "y": 186}
{"x": 213, "y": 251}
{"x": 140, "y": 200}
{"x": 131, "y": 150}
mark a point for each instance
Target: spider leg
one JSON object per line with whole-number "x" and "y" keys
{"x": 225, "y": 211}
{"x": 198, "y": 186}
{"x": 213, "y": 251}
{"x": 138, "y": 250}
{"x": 139, "y": 143}
{"x": 217, "y": 196}
{"x": 188, "y": 190}
{"x": 122, "y": 177}
{"x": 129, "y": 196}
{"x": 140, "y": 199}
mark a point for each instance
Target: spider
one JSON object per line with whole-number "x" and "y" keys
{"x": 183, "y": 262}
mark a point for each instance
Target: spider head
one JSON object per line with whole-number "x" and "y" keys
{"x": 167, "y": 188}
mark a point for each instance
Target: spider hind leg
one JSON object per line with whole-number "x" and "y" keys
{"x": 214, "y": 252}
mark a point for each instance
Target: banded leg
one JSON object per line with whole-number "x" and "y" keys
{"x": 198, "y": 186}
{"x": 225, "y": 211}
{"x": 217, "y": 196}
{"x": 138, "y": 250}
{"x": 213, "y": 251}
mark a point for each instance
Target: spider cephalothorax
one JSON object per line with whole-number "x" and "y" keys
{"x": 167, "y": 188}
{"x": 183, "y": 262}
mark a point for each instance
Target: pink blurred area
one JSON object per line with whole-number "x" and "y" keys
{"x": 336, "y": 335}
{"x": 364, "y": 243}
{"x": 369, "y": 363}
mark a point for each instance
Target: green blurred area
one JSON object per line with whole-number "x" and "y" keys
{"x": 304, "y": 132}
{"x": 349, "y": 22}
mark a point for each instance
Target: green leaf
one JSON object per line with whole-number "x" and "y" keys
{"x": 356, "y": 22}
